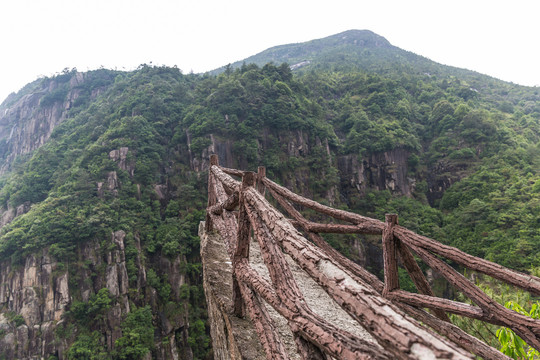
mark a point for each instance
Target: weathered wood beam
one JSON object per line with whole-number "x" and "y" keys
{"x": 271, "y": 341}
{"x": 528, "y": 329}
{"x": 336, "y": 342}
{"x": 455, "y": 334}
{"x": 226, "y": 223}
{"x": 433, "y": 302}
{"x": 280, "y": 273}
{"x": 242, "y": 242}
{"x": 397, "y": 333}
{"x": 229, "y": 184}
{"x": 233, "y": 172}
{"x": 391, "y": 277}
{"x": 523, "y": 281}
{"x": 452, "y": 332}
{"x": 417, "y": 276}
{"x": 211, "y": 192}
{"x": 264, "y": 326}
{"x": 349, "y": 265}
{"x": 371, "y": 226}
{"x": 261, "y": 174}
{"x": 230, "y": 204}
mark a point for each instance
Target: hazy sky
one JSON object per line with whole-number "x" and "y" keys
{"x": 42, "y": 37}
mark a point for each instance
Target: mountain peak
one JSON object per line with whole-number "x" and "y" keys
{"x": 364, "y": 38}
{"x": 326, "y": 50}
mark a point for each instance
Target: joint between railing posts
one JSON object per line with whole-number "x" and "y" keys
{"x": 391, "y": 277}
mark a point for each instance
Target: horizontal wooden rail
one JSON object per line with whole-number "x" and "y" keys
{"x": 512, "y": 277}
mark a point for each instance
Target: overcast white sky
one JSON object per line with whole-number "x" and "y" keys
{"x": 42, "y": 37}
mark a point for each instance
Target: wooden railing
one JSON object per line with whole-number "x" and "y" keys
{"x": 395, "y": 318}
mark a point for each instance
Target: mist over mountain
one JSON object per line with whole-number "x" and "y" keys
{"x": 103, "y": 180}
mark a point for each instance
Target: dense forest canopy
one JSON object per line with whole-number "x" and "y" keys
{"x": 471, "y": 145}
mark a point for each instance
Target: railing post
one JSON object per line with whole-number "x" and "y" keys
{"x": 391, "y": 278}
{"x": 242, "y": 242}
{"x": 211, "y": 192}
{"x": 261, "y": 173}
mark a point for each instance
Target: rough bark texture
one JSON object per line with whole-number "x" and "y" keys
{"x": 345, "y": 263}
{"x": 242, "y": 243}
{"x": 417, "y": 276}
{"x": 525, "y": 327}
{"x": 391, "y": 278}
{"x": 523, "y": 281}
{"x": 455, "y": 334}
{"x": 370, "y": 226}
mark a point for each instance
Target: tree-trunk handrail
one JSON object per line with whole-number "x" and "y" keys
{"x": 381, "y": 308}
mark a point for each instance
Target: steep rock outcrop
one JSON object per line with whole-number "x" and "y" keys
{"x": 38, "y": 294}
{"x": 28, "y": 122}
{"x": 8, "y": 214}
{"x": 380, "y": 171}
{"x": 34, "y": 299}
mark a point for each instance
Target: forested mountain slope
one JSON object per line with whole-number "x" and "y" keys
{"x": 104, "y": 177}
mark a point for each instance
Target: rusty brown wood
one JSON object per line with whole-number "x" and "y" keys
{"x": 354, "y": 269}
{"x": 391, "y": 277}
{"x": 225, "y": 224}
{"x": 233, "y": 172}
{"x": 370, "y": 226}
{"x": 470, "y": 343}
{"x": 229, "y": 184}
{"x": 452, "y": 332}
{"x": 433, "y": 302}
{"x": 280, "y": 273}
{"x": 400, "y": 335}
{"x": 417, "y": 276}
{"x": 271, "y": 341}
{"x": 528, "y": 329}
{"x": 261, "y": 174}
{"x": 337, "y": 228}
{"x": 455, "y": 334}
{"x": 523, "y": 281}
{"x": 242, "y": 242}
{"x": 336, "y": 342}
{"x": 230, "y": 204}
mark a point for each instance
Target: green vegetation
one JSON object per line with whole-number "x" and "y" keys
{"x": 467, "y": 144}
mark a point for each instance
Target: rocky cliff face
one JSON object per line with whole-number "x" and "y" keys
{"x": 381, "y": 171}
{"x": 34, "y": 299}
{"x": 27, "y": 122}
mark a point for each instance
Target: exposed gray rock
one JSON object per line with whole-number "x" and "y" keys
{"x": 380, "y": 171}
{"x": 120, "y": 157}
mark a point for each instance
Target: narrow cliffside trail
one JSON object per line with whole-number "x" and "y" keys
{"x": 304, "y": 300}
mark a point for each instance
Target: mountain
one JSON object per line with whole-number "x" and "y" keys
{"x": 350, "y": 50}
{"x": 103, "y": 177}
